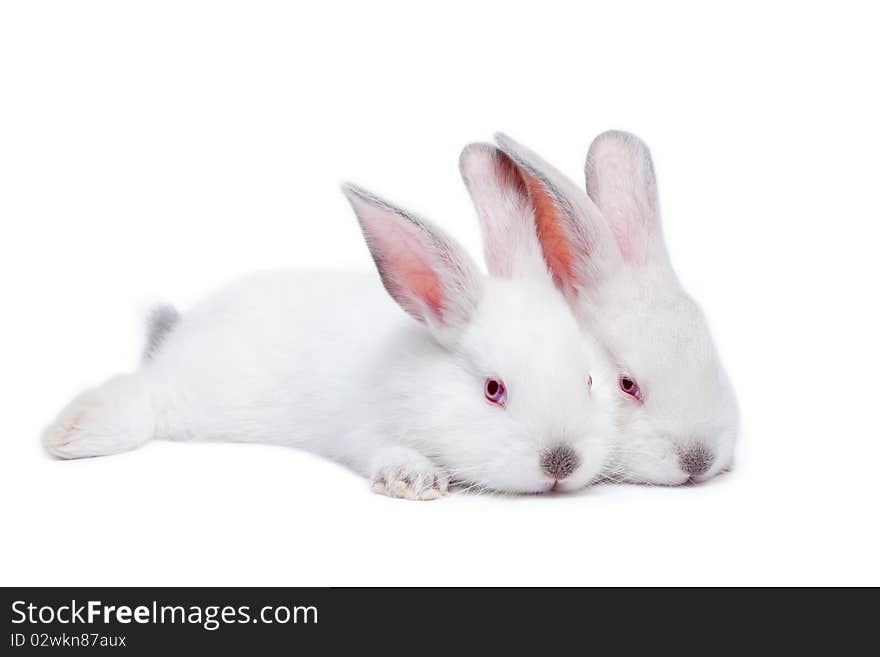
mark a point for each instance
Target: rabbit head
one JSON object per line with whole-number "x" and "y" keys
{"x": 502, "y": 390}
{"x": 677, "y": 414}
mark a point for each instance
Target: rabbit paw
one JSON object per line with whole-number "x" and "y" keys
{"x": 111, "y": 418}
{"x": 404, "y": 473}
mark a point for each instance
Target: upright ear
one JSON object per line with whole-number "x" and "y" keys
{"x": 575, "y": 241}
{"x": 425, "y": 272}
{"x": 501, "y": 197}
{"x": 620, "y": 180}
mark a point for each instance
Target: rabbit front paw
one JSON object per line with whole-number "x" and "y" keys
{"x": 404, "y": 473}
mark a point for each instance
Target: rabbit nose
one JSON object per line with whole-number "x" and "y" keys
{"x": 559, "y": 461}
{"x": 696, "y": 460}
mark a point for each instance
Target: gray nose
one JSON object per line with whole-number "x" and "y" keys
{"x": 560, "y": 461}
{"x": 696, "y": 460}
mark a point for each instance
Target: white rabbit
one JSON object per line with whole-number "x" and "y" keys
{"x": 494, "y": 386}
{"x": 678, "y": 419}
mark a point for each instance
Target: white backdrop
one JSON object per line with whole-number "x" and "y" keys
{"x": 152, "y": 151}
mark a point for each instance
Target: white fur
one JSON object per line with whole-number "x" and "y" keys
{"x": 657, "y": 334}
{"x": 327, "y": 363}
{"x": 627, "y": 295}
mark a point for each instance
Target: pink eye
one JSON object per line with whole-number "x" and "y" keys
{"x": 630, "y": 387}
{"x": 496, "y": 392}
{"x": 590, "y": 382}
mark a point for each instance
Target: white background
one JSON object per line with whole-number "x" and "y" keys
{"x": 152, "y": 151}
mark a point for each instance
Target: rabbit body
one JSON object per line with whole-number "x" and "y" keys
{"x": 325, "y": 362}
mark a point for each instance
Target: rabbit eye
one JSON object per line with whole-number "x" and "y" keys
{"x": 630, "y": 387}
{"x": 590, "y": 382}
{"x": 495, "y": 392}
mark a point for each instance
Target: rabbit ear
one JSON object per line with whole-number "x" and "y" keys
{"x": 426, "y": 272}
{"x": 620, "y": 180}
{"x": 501, "y": 198}
{"x": 576, "y": 243}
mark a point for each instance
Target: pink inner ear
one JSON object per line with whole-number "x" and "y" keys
{"x": 408, "y": 269}
{"x": 425, "y": 285}
{"x": 621, "y": 182}
{"x": 503, "y": 235}
{"x": 554, "y": 242}
{"x": 623, "y": 233}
